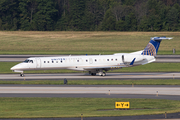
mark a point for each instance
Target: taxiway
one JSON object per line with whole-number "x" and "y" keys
{"x": 86, "y": 76}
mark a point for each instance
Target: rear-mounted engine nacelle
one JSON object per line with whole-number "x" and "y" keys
{"x": 129, "y": 58}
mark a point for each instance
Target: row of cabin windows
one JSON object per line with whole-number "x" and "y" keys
{"x": 111, "y": 59}
{"x": 78, "y": 61}
{"x": 53, "y": 61}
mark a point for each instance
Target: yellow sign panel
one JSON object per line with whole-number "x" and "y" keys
{"x": 122, "y": 105}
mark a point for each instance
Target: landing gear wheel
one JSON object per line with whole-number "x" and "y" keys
{"x": 22, "y": 75}
{"x": 104, "y": 74}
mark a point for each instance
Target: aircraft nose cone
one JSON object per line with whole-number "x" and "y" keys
{"x": 12, "y": 68}
{"x": 16, "y": 67}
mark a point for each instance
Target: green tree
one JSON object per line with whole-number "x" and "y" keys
{"x": 144, "y": 26}
{"x": 130, "y": 22}
{"x": 162, "y": 15}
{"x": 28, "y": 8}
{"x": 0, "y": 24}
{"x": 108, "y": 22}
{"x": 45, "y": 17}
{"x": 94, "y": 13}
{"x": 77, "y": 12}
{"x": 63, "y": 18}
{"x": 9, "y": 14}
{"x": 128, "y": 2}
{"x": 120, "y": 25}
{"x": 172, "y": 19}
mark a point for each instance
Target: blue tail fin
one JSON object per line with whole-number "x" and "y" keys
{"x": 153, "y": 46}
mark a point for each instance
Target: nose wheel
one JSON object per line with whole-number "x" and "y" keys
{"x": 22, "y": 75}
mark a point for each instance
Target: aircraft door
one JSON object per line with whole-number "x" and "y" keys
{"x": 123, "y": 58}
{"x": 90, "y": 60}
{"x": 38, "y": 63}
{"x": 32, "y": 63}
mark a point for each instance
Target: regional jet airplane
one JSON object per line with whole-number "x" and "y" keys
{"x": 93, "y": 63}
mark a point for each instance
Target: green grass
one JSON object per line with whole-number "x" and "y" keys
{"x": 74, "y": 107}
{"x": 152, "y": 67}
{"x": 96, "y": 82}
{"x": 60, "y": 42}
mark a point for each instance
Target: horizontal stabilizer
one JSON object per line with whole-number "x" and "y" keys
{"x": 161, "y": 38}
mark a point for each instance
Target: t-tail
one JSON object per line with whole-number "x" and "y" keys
{"x": 153, "y": 46}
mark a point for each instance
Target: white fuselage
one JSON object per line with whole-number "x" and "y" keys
{"x": 83, "y": 63}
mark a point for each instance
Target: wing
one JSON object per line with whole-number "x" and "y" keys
{"x": 107, "y": 68}
{"x": 102, "y": 68}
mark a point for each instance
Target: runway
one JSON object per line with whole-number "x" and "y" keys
{"x": 92, "y": 91}
{"x": 86, "y": 76}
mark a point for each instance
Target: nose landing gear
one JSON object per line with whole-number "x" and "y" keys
{"x": 22, "y": 75}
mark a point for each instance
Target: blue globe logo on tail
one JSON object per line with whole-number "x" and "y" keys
{"x": 153, "y": 46}
{"x": 149, "y": 50}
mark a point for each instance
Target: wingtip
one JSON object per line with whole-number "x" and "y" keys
{"x": 170, "y": 38}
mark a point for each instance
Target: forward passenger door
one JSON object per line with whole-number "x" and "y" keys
{"x": 38, "y": 63}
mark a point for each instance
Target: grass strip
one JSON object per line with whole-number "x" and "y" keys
{"x": 152, "y": 67}
{"x": 96, "y": 82}
{"x": 74, "y": 107}
{"x": 72, "y": 42}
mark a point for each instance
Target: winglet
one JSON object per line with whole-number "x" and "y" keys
{"x": 132, "y": 61}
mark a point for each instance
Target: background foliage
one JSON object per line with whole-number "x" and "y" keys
{"x": 90, "y": 15}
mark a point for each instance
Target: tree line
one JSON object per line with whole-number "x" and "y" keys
{"x": 90, "y": 15}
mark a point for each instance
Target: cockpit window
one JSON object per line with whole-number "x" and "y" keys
{"x": 26, "y": 61}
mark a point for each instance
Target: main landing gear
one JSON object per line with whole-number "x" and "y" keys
{"x": 101, "y": 73}
{"x": 93, "y": 74}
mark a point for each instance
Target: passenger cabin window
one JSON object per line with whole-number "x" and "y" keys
{"x": 61, "y": 61}
{"x": 111, "y": 59}
{"x": 48, "y": 61}
{"x": 44, "y": 61}
{"x": 77, "y": 60}
{"x": 95, "y": 60}
{"x": 52, "y": 61}
{"x": 86, "y": 60}
{"x": 116, "y": 59}
{"x": 56, "y": 61}
{"x": 107, "y": 59}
